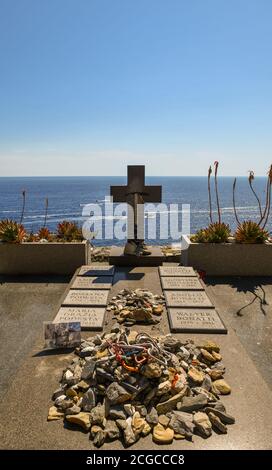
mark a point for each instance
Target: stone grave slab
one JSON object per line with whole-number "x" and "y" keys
{"x": 91, "y": 318}
{"x": 92, "y": 282}
{"x": 104, "y": 270}
{"x": 93, "y": 298}
{"x": 177, "y": 271}
{"x": 181, "y": 283}
{"x": 195, "y": 320}
{"x": 187, "y": 299}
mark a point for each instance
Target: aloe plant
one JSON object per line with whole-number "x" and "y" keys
{"x": 11, "y": 231}
{"x": 209, "y": 192}
{"x": 23, "y": 208}
{"x": 46, "y": 212}
{"x": 216, "y": 164}
{"x": 250, "y": 179}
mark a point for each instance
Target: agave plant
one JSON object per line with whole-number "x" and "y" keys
{"x": 11, "y": 231}
{"x": 250, "y": 232}
{"x": 69, "y": 231}
{"x": 44, "y": 234}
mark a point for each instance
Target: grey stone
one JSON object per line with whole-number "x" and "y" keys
{"x": 117, "y": 394}
{"x": 152, "y": 417}
{"x": 58, "y": 393}
{"x": 207, "y": 383}
{"x": 98, "y": 415}
{"x": 190, "y": 404}
{"x": 99, "y": 438}
{"x": 115, "y": 328}
{"x": 171, "y": 343}
{"x": 182, "y": 423}
{"x": 202, "y": 391}
{"x": 74, "y": 410}
{"x": 203, "y": 424}
{"x": 88, "y": 370}
{"x": 117, "y": 412}
{"x": 111, "y": 430}
{"x": 88, "y": 400}
{"x": 168, "y": 405}
{"x": 217, "y": 423}
{"x": 129, "y": 435}
{"x": 224, "y": 417}
{"x": 142, "y": 409}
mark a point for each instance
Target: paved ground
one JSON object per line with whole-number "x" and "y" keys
{"x": 29, "y": 376}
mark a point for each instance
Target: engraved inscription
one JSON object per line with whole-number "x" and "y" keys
{"x": 187, "y": 299}
{"x": 94, "y": 282}
{"x": 90, "y": 297}
{"x": 181, "y": 283}
{"x": 195, "y": 320}
{"x": 177, "y": 271}
{"x": 89, "y": 317}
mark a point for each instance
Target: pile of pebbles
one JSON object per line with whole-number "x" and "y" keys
{"x": 125, "y": 385}
{"x": 137, "y": 306}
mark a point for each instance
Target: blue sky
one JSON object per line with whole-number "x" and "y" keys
{"x": 89, "y": 86}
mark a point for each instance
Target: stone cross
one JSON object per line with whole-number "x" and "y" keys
{"x": 136, "y": 193}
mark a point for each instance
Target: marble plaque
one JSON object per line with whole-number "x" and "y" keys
{"x": 177, "y": 271}
{"x": 104, "y": 270}
{"x": 196, "y": 320}
{"x": 93, "y": 298}
{"x": 181, "y": 283}
{"x": 91, "y": 318}
{"x": 94, "y": 282}
{"x": 187, "y": 299}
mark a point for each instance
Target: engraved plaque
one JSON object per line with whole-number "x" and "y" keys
{"x": 195, "y": 320}
{"x": 94, "y": 282}
{"x": 104, "y": 270}
{"x": 87, "y": 297}
{"x": 187, "y": 299}
{"x": 181, "y": 283}
{"x": 177, "y": 271}
{"x": 91, "y": 318}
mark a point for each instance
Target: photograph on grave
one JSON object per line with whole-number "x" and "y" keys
{"x": 62, "y": 335}
{"x": 90, "y": 318}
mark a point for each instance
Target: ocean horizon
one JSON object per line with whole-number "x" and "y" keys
{"x": 67, "y": 195}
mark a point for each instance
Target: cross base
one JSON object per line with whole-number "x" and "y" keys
{"x": 118, "y": 258}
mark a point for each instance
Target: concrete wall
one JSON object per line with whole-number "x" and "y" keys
{"x": 42, "y": 258}
{"x": 228, "y": 259}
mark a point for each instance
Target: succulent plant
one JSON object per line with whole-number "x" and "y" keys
{"x": 44, "y": 234}
{"x": 214, "y": 233}
{"x": 250, "y": 232}
{"x": 32, "y": 237}
{"x": 69, "y": 231}
{"x": 11, "y": 231}
{"x": 199, "y": 236}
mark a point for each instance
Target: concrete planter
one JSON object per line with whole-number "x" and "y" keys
{"x": 227, "y": 259}
{"x": 42, "y": 258}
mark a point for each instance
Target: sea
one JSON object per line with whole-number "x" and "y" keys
{"x": 68, "y": 198}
